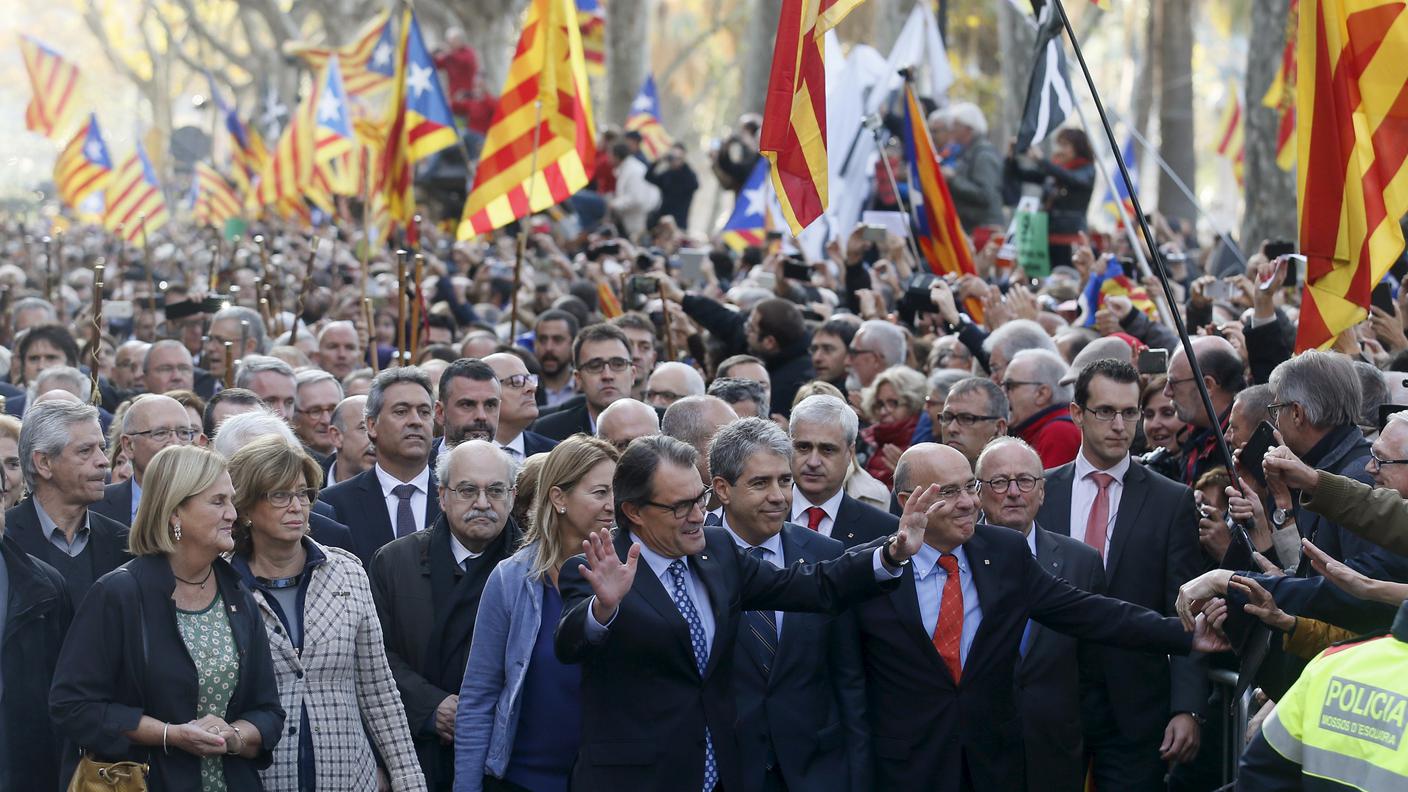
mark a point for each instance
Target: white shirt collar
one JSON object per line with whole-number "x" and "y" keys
{"x": 1031, "y": 540}
{"x": 1083, "y": 468}
{"x": 773, "y": 544}
{"x": 388, "y": 481}
{"x": 800, "y": 504}
{"x": 461, "y": 552}
{"x": 517, "y": 445}
{"x": 658, "y": 564}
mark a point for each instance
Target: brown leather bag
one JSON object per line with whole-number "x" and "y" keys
{"x": 92, "y": 776}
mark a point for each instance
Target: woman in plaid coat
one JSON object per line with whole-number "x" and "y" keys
{"x": 323, "y": 631}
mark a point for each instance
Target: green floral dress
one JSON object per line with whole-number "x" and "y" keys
{"x": 212, "y": 647}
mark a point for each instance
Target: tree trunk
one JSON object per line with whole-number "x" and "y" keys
{"x": 1270, "y": 211}
{"x": 757, "y": 48}
{"x": 627, "y": 55}
{"x": 1176, "y": 107}
{"x": 1144, "y": 92}
{"x": 1017, "y": 40}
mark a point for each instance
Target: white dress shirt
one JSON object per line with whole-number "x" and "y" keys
{"x": 514, "y": 448}
{"x": 422, "y": 485}
{"x": 929, "y": 579}
{"x": 462, "y": 553}
{"x": 771, "y": 553}
{"x": 1083, "y": 492}
{"x": 800, "y": 504}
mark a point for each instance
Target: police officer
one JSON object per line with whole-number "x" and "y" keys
{"x": 1342, "y": 724}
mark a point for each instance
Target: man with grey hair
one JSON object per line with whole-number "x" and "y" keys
{"x": 1006, "y": 341}
{"x": 672, "y": 381}
{"x": 316, "y": 393}
{"x": 271, "y": 380}
{"x": 395, "y": 497}
{"x": 167, "y": 367}
{"x": 625, "y": 420}
{"x": 127, "y": 364}
{"x": 1224, "y": 374}
{"x": 746, "y": 397}
{"x": 28, "y": 312}
{"x": 973, "y": 414}
{"x": 877, "y": 345}
{"x": 779, "y": 725}
{"x": 694, "y": 420}
{"x": 238, "y": 326}
{"x": 340, "y": 348}
{"x": 353, "y": 451}
{"x": 975, "y": 177}
{"x": 427, "y": 586}
{"x": 60, "y": 378}
{"x": 65, "y": 471}
{"x": 823, "y": 433}
{"x": 152, "y": 423}
{"x": 1040, "y": 405}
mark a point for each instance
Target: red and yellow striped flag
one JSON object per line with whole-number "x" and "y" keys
{"x": 367, "y": 62}
{"x": 1352, "y": 133}
{"x": 1281, "y": 95}
{"x": 793, "y": 137}
{"x": 54, "y": 82}
{"x": 215, "y": 199}
{"x": 83, "y": 167}
{"x": 1231, "y": 141}
{"x": 134, "y": 193}
{"x": 547, "y": 82}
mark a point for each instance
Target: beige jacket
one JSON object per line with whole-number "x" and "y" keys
{"x": 344, "y": 680}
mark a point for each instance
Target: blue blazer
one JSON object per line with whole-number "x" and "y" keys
{"x": 860, "y": 523}
{"x": 359, "y": 504}
{"x": 534, "y": 443}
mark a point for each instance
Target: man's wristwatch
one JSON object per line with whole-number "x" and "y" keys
{"x": 889, "y": 559}
{"x": 1280, "y": 517}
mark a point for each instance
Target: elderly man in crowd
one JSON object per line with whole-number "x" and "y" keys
{"x": 152, "y": 423}
{"x": 353, "y": 452}
{"x": 168, "y": 367}
{"x": 272, "y": 380}
{"x": 672, "y": 381}
{"x": 65, "y": 470}
{"x": 975, "y": 174}
{"x": 242, "y": 328}
{"x": 876, "y": 346}
{"x": 518, "y": 408}
{"x": 823, "y": 431}
{"x": 625, "y": 420}
{"x": 1040, "y": 405}
{"x": 127, "y": 364}
{"x": 427, "y": 587}
{"x": 974, "y": 413}
{"x": 340, "y": 349}
{"x": 316, "y": 394}
{"x": 694, "y": 420}
{"x": 1224, "y": 375}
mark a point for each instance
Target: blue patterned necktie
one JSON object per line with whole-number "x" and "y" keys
{"x": 762, "y": 625}
{"x": 680, "y": 594}
{"x": 405, "y": 518}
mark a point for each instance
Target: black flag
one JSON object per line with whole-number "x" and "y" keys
{"x": 1049, "y": 98}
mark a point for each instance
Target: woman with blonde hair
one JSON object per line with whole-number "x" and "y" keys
{"x": 519, "y": 718}
{"x": 167, "y": 663}
{"x": 892, "y": 403}
{"x": 11, "y": 477}
{"x": 316, "y": 605}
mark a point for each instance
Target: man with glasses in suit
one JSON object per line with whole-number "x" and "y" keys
{"x": 603, "y": 371}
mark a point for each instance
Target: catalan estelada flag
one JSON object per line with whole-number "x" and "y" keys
{"x": 591, "y": 20}
{"x": 368, "y": 62}
{"x": 645, "y": 119}
{"x": 526, "y": 168}
{"x": 332, "y": 133}
{"x": 793, "y": 136}
{"x": 54, "y": 81}
{"x": 1281, "y": 96}
{"x": 430, "y": 126}
{"x": 1231, "y": 141}
{"x": 747, "y": 226}
{"x": 937, "y": 229}
{"x": 290, "y": 168}
{"x": 134, "y": 193}
{"x": 84, "y": 166}
{"x": 213, "y": 199}
{"x": 1352, "y": 152}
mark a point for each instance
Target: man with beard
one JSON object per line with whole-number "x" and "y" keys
{"x": 468, "y": 408}
{"x": 394, "y": 498}
{"x": 601, "y": 358}
{"x": 552, "y": 343}
{"x": 427, "y": 587}
{"x": 65, "y": 470}
{"x": 828, "y": 351}
{"x": 518, "y": 407}
{"x": 353, "y": 452}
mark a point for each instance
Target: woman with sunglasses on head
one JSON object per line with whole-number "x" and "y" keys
{"x": 519, "y": 721}
{"x": 326, "y": 641}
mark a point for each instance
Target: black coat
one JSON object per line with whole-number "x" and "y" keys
{"x": 107, "y": 542}
{"x": 645, "y": 706}
{"x": 116, "y": 504}
{"x": 860, "y": 523}
{"x": 125, "y": 657}
{"x": 789, "y": 371}
{"x": 534, "y": 443}
{"x": 37, "y": 617}
{"x": 1153, "y": 550}
{"x": 807, "y": 715}
{"x": 359, "y": 504}
{"x": 925, "y": 727}
{"x": 563, "y": 424}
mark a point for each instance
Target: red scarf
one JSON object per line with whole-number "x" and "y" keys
{"x": 897, "y": 434}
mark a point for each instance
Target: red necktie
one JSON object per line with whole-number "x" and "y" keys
{"x": 815, "y": 514}
{"x": 1099, "y": 520}
{"x": 948, "y": 633}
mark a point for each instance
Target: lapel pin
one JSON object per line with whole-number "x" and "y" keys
{"x": 703, "y": 558}
{"x": 986, "y": 562}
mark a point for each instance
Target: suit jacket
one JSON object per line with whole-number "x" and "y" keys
{"x": 645, "y": 705}
{"x": 359, "y": 504}
{"x": 929, "y": 731}
{"x": 860, "y": 523}
{"x": 1153, "y": 550}
{"x": 534, "y": 443}
{"x": 564, "y": 423}
{"x": 806, "y": 717}
{"x": 107, "y": 542}
{"x": 1052, "y": 675}
{"x": 116, "y": 504}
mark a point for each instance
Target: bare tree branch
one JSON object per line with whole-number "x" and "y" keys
{"x": 686, "y": 50}
{"x": 93, "y": 18}
{"x": 219, "y": 43}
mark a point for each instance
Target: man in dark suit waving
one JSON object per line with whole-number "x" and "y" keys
{"x": 823, "y": 431}
{"x": 397, "y": 496}
{"x": 657, "y": 649}
{"x": 1050, "y": 672}
{"x": 1148, "y": 712}
{"x": 797, "y": 676}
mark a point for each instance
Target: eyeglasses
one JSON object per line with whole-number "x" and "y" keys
{"x": 596, "y": 365}
{"x": 1174, "y": 383}
{"x": 1009, "y": 385}
{"x": 184, "y": 434}
{"x": 316, "y": 411}
{"x": 669, "y": 396}
{"x": 469, "y": 493}
{"x": 1107, "y": 414}
{"x": 166, "y": 371}
{"x": 280, "y": 499}
{"x": 853, "y": 352}
{"x": 1273, "y": 411}
{"x": 954, "y": 490}
{"x": 1002, "y": 484}
{"x": 520, "y": 381}
{"x": 889, "y": 404}
{"x": 1380, "y": 461}
{"x": 683, "y": 508}
{"x": 963, "y": 419}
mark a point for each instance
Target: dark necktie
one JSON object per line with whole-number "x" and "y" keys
{"x": 712, "y": 519}
{"x": 679, "y": 592}
{"x": 405, "y": 519}
{"x": 815, "y": 514}
{"x": 948, "y": 633}
{"x": 761, "y": 633}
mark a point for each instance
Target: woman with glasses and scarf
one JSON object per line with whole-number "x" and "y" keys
{"x": 326, "y": 640}
{"x": 519, "y": 718}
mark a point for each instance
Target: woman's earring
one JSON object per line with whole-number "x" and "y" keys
{"x": 562, "y": 510}
{"x": 176, "y": 531}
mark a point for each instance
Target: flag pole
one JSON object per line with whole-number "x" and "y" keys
{"x": 95, "y": 339}
{"x": 522, "y": 226}
{"x": 1160, "y": 270}
{"x": 873, "y": 121}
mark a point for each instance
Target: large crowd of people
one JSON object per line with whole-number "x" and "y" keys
{"x": 645, "y": 511}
